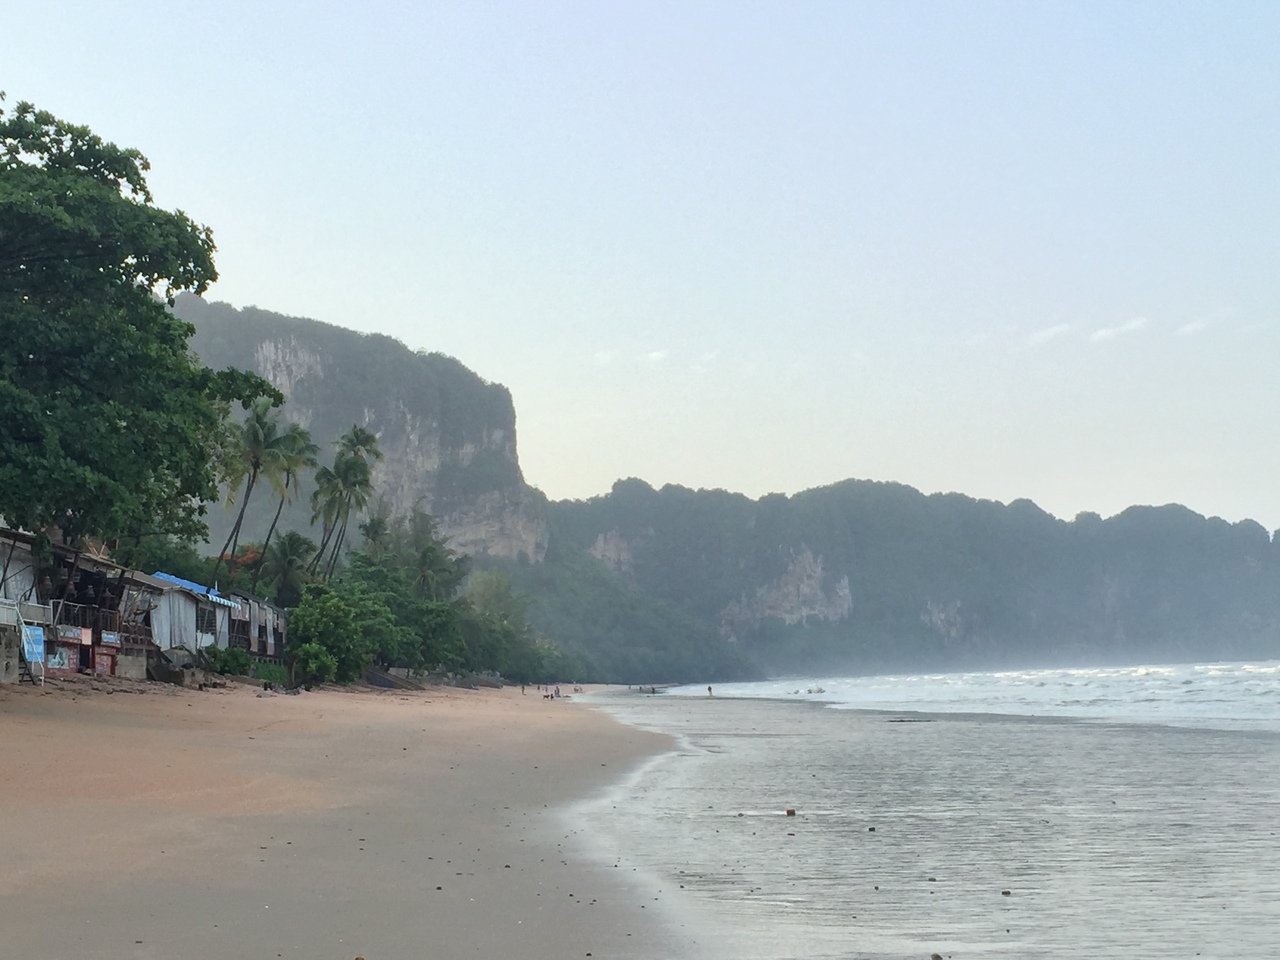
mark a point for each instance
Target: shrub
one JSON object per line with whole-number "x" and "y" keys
{"x": 234, "y": 660}
{"x": 314, "y": 664}
{"x": 272, "y": 673}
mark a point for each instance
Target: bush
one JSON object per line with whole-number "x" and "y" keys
{"x": 272, "y": 673}
{"x": 234, "y": 660}
{"x": 314, "y": 664}
{"x": 327, "y": 621}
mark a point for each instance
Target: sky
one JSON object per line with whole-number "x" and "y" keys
{"x": 1006, "y": 249}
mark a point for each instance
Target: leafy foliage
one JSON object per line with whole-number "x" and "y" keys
{"x": 256, "y": 452}
{"x": 230, "y": 660}
{"x": 343, "y": 490}
{"x": 161, "y": 552}
{"x": 313, "y": 664}
{"x": 285, "y": 567}
{"x": 295, "y": 453}
{"x": 110, "y": 425}
{"x": 327, "y": 621}
{"x": 612, "y": 630}
{"x": 404, "y": 609}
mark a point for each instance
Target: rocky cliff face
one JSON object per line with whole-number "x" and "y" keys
{"x": 614, "y": 550}
{"x": 447, "y": 436}
{"x": 801, "y": 592}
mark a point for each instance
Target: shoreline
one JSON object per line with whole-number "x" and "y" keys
{"x": 225, "y": 823}
{"x": 1109, "y": 837}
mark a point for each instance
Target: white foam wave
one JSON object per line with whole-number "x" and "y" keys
{"x": 1215, "y": 695}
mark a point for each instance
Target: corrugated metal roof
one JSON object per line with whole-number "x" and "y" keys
{"x": 146, "y": 580}
{"x": 210, "y": 595}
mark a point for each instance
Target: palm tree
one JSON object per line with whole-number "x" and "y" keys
{"x": 354, "y": 489}
{"x": 257, "y": 456}
{"x": 286, "y": 564}
{"x": 297, "y": 453}
{"x": 377, "y": 536}
{"x": 325, "y": 500}
{"x": 434, "y": 566}
{"x": 360, "y": 442}
{"x": 436, "y": 571}
{"x": 347, "y": 486}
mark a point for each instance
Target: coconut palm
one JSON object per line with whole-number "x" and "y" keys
{"x": 325, "y": 501}
{"x": 297, "y": 453}
{"x": 377, "y": 536}
{"x": 354, "y": 489}
{"x": 360, "y": 442}
{"x": 257, "y": 456}
{"x": 436, "y": 571}
{"x": 345, "y": 487}
{"x": 285, "y": 566}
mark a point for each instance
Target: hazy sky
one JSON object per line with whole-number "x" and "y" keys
{"x": 1014, "y": 250}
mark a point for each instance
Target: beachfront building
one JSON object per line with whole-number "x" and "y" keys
{"x": 258, "y": 627}
{"x": 83, "y": 613}
{"x": 76, "y": 603}
{"x": 18, "y": 605}
{"x": 189, "y": 615}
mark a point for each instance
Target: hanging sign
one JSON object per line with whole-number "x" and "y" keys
{"x": 111, "y": 638}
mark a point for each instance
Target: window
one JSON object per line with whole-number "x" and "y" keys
{"x": 206, "y": 620}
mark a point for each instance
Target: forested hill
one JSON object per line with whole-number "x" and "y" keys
{"x": 448, "y": 436}
{"x": 872, "y": 576}
{"x": 650, "y": 585}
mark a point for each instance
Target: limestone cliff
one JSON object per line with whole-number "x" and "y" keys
{"x": 613, "y": 549}
{"x": 803, "y": 591}
{"x": 448, "y": 437}
{"x": 868, "y": 575}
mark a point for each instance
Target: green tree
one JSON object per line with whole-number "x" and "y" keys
{"x": 285, "y": 566}
{"x": 435, "y": 570}
{"x": 358, "y": 445}
{"x": 360, "y": 442}
{"x": 110, "y": 423}
{"x": 355, "y": 487}
{"x": 296, "y": 453}
{"x": 327, "y": 619}
{"x": 313, "y": 664}
{"x": 377, "y": 536}
{"x": 387, "y": 642}
{"x": 498, "y": 633}
{"x": 257, "y": 455}
{"x": 427, "y": 634}
{"x": 342, "y": 490}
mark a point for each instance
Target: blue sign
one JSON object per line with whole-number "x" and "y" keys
{"x": 33, "y": 644}
{"x": 111, "y": 638}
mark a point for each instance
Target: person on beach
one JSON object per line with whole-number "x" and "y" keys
{"x": 709, "y": 690}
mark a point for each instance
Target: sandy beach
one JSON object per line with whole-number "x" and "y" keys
{"x": 155, "y": 822}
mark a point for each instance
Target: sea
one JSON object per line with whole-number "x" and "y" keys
{"x": 1105, "y": 813}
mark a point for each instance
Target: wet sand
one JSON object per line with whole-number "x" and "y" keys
{"x": 972, "y": 836}
{"x": 160, "y": 823}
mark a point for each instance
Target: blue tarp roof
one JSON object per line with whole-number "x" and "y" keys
{"x": 210, "y": 595}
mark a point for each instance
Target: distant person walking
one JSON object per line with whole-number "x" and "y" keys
{"x": 709, "y": 690}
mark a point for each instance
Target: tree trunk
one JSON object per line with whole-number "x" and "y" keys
{"x": 337, "y": 550}
{"x": 234, "y": 538}
{"x": 326, "y": 534}
{"x": 257, "y": 567}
